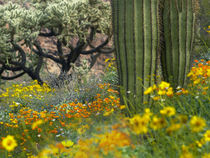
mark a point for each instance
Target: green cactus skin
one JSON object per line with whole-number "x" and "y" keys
{"x": 178, "y": 21}
{"x": 136, "y": 36}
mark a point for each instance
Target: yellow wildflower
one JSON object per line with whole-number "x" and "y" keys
{"x": 164, "y": 85}
{"x": 168, "y": 111}
{"x": 205, "y": 88}
{"x": 9, "y": 143}
{"x": 36, "y": 124}
{"x": 148, "y": 112}
{"x": 67, "y": 143}
{"x": 156, "y": 98}
{"x": 148, "y": 90}
{"x": 197, "y": 81}
{"x": 154, "y": 87}
{"x": 157, "y": 123}
{"x": 82, "y": 129}
{"x": 161, "y": 92}
{"x": 207, "y": 136}
{"x": 139, "y": 124}
{"x": 184, "y": 91}
{"x": 170, "y": 92}
{"x": 173, "y": 127}
{"x": 107, "y": 60}
{"x": 200, "y": 143}
{"x": 122, "y": 107}
{"x": 197, "y": 124}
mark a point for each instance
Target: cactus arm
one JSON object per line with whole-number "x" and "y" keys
{"x": 155, "y": 34}
{"x": 139, "y": 45}
{"x": 179, "y": 35}
{"x": 115, "y": 22}
{"x": 190, "y": 35}
{"x": 115, "y": 27}
{"x": 182, "y": 41}
{"x": 136, "y": 42}
{"x": 147, "y": 42}
{"x": 174, "y": 40}
{"x": 166, "y": 59}
{"x": 130, "y": 47}
{"x": 118, "y": 25}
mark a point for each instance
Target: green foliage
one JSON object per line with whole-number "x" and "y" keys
{"x": 204, "y": 20}
{"x": 68, "y": 18}
{"x": 71, "y": 25}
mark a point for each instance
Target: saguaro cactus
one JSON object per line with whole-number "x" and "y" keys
{"x": 136, "y": 36}
{"x": 178, "y": 20}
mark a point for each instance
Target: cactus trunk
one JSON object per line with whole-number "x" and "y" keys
{"x": 178, "y": 21}
{"x": 136, "y": 36}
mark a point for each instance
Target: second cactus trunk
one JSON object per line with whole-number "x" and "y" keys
{"x": 136, "y": 36}
{"x": 178, "y": 20}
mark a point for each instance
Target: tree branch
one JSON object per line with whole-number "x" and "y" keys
{"x": 75, "y": 53}
{"x": 102, "y": 50}
{"x": 49, "y": 34}
{"x": 39, "y": 65}
{"x": 18, "y": 68}
{"x": 2, "y": 70}
{"x": 22, "y": 52}
{"x": 12, "y": 77}
{"x": 96, "y": 49}
{"x": 41, "y": 53}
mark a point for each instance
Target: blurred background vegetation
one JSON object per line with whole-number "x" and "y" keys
{"x": 202, "y": 40}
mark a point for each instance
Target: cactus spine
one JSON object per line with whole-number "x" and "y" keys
{"x": 135, "y": 25}
{"x": 178, "y": 20}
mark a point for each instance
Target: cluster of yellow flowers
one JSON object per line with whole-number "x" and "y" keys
{"x": 111, "y": 64}
{"x": 200, "y": 72}
{"x": 139, "y": 124}
{"x": 163, "y": 89}
{"x": 186, "y": 153}
{"x": 32, "y": 91}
